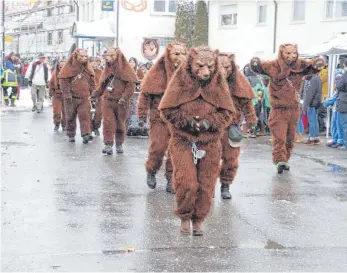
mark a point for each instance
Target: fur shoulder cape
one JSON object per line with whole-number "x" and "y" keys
{"x": 238, "y": 84}
{"x": 183, "y": 88}
{"x": 121, "y": 69}
{"x": 72, "y": 67}
{"x": 157, "y": 79}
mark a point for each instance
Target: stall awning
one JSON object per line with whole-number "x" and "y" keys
{"x": 96, "y": 30}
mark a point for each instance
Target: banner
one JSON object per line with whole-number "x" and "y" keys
{"x": 8, "y": 39}
{"x": 107, "y": 5}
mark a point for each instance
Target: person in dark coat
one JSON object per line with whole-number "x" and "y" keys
{"x": 312, "y": 102}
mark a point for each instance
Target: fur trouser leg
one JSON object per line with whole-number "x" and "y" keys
{"x": 121, "y": 119}
{"x": 83, "y": 113}
{"x": 230, "y": 161}
{"x": 283, "y": 123}
{"x": 194, "y": 184}
{"x": 98, "y": 115}
{"x": 71, "y": 115}
{"x": 159, "y": 137}
{"x": 59, "y": 116}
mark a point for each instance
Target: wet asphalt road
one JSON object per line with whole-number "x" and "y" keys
{"x": 66, "y": 207}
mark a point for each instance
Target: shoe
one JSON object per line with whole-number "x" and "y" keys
{"x": 7, "y": 102}
{"x": 119, "y": 148}
{"x": 185, "y": 226}
{"x": 286, "y": 166}
{"x": 309, "y": 142}
{"x": 56, "y": 127}
{"x": 335, "y": 145}
{"x": 299, "y": 138}
{"x": 169, "y": 187}
{"x": 225, "y": 193}
{"x": 316, "y": 142}
{"x": 280, "y": 167}
{"x": 72, "y": 139}
{"x": 33, "y": 109}
{"x": 96, "y": 132}
{"x": 13, "y": 103}
{"x": 197, "y": 231}
{"x": 108, "y": 149}
{"x": 151, "y": 181}
{"x": 330, "y": 143}
{"x": 87, "y": 138}
{"x": 342, "y": 147}
{"x": 64, "y": 129}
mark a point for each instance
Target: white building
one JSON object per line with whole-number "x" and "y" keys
{"x": 39, "y": 26}
{"x": 247, "y": 28}
{"x": 157, "y": 21}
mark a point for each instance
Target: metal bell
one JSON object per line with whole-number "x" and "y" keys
{"x": 109, "y": 88}
{"x": 200, "y": 154}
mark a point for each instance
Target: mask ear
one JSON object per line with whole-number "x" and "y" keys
{"x": 231, "y": 57}
{"x": 169, "y": 47}
{"x": 282, "y": 47}
{"x": 193, "y": 52}
{"x": 216, "y": 53}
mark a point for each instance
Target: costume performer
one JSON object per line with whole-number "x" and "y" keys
{"x": 77, "y": 81}
{"x": 152, "y": 91}
{"x": 97, "y": 118}
{"x": 285, "y": 74}
{"x": 241, "y": 94}
{"x": 56, "y": 93}
{"x": 197, "y": 105}
{"x": 117, "y": 84}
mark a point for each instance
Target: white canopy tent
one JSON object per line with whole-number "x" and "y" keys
{"x": 333, "y": 49}
{"x": 96, "y": 30}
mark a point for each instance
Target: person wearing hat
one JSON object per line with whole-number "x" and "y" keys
{"x": 38, "y": 76}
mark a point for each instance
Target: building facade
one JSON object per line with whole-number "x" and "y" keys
{"x": 250, "y": 28}
{"x": 39, "y": 26}
{"x": 156, "y": 21}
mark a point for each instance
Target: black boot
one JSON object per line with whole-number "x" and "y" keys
{"x": 34, "y": 108}
{"x": 151, "y": 181}
{"x": 87, "y": 138}
{"x": 286, "y": 167}
{"x": 56, "y": 127}
{"x": 169, "y": 187}
{"x": 225, "y": 193}
{"x": 71, "y": 139}
{"x": 7, "y": 102}
{"x": 280, "y": 167}
{"x": 96, "y": 132}
{"x": 119, "y": 148}
{"x": 108, "y": 149}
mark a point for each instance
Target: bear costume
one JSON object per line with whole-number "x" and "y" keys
{"x": 197, "y": 105}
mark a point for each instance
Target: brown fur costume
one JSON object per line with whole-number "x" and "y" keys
{"x": 96, "y": 122}
{"x": 152, "y": 90}
{"x": 119, "y": 76}
{"x": 56, "y": 93}
{"x": 242, "y": 94}
{"x": 188, "y": 104}
{"x": 286, "y": 75}
{"x": 77, "y": 81}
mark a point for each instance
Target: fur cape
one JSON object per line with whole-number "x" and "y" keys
{"x": 184, "y": 88}
{"x": 279, "y": 69}
{"x": 97, "y": 73}
{"x": 53, "y": 82}
{"x": 238, "y": 84}
{"x": 140, "y": 75}
{"x": 121, "y": 69}
{"x": 72, "y": 67}
{"x": 158, "y": 77}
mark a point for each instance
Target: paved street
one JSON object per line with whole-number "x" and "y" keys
{"x": 66, "y": 207}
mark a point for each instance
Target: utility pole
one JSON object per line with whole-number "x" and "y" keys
{"x": 117, "y": 27}
{"x": 3, "y": 31}
{"x": 77, "y": 16}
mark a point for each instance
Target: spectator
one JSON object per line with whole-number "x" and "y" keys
{"x": 341, "y": 104}
{"x": 9, "y": 82}
{"x": 9, "y": 62}
{"x": 38, "y": 75}
{"x": 312, "y": 101}
{"x": 20, "y": 72}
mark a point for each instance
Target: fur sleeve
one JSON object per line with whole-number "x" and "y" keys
{"x": 248, "y": 110}
{"x": 267, "y": 68}
{"x": 176, "y": 117}
{"x": 128, "y": 90}
{"x": 143, "y": 104}
{"x": 219, "y": 120}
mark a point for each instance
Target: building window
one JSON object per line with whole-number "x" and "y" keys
{"x": 228, "y": 15}
{"x": 262, "y": 14}
{"x": 50, "y": 38}
{"x": 299, "y": 9}
{"x": 60, "y": 36}
{"x": 87, "y": 12}
{"x": 164, "y": 6}
{"x": 49, "y": 3}
{"x": 71, "y": 8}
{"x": 49, "y": 12}
{"x": 335, "y": 9}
